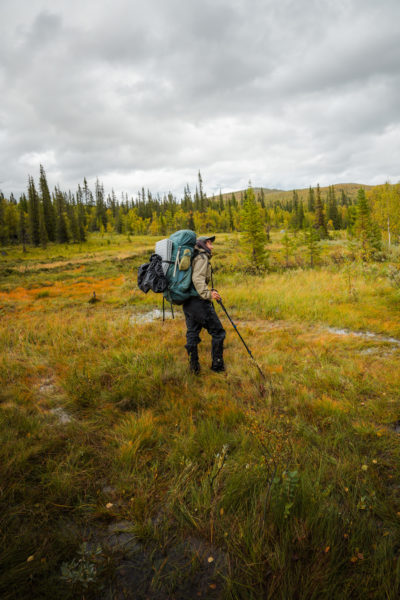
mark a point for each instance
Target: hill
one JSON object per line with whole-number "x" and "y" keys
{"x": 272, "y": 195}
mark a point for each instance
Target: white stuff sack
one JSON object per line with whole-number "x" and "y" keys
{"x": 164, "y": 249}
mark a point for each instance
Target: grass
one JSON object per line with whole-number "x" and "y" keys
{"x": 289, "y": 485}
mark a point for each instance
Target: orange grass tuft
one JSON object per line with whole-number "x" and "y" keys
{"x": 67, "y": 290}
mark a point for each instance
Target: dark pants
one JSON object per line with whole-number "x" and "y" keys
{"x": 200, "y": 313}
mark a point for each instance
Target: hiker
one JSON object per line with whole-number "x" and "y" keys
{"x": 199, "y": 310}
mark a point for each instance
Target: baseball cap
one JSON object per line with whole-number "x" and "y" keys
{"x": 205, "y": 238}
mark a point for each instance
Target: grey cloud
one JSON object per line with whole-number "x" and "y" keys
{"x": 283, "y": 91}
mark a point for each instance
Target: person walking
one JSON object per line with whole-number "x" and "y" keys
{"x": 199, "y": 310}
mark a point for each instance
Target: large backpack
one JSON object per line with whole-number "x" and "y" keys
{"x": 175, "y": 280}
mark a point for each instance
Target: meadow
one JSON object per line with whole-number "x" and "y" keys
{"x": 124, "y": 476}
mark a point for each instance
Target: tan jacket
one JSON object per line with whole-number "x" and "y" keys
{"x": 201, "y": 274}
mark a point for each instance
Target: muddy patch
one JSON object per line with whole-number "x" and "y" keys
{"x": 367, "y": 335}
{"x": 154, "y": 315}
{"x": 191, "y": 568}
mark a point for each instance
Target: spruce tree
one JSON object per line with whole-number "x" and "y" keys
{"x": 48, "y": 209}
{"x": 262, "y": 198}
{"x": 288, "y": 245}
{"x": 221, "y": 205}
{"x": 42, "y": 227}
{"x": 295, "y": 210}
{"x": 311, "y": 200}
{"x": 100, "y": 205}
{"x": 300, "y": 215}
{"x": 253, "y": 236}
{"x": 190, "y": 223}
{"x": 62, "y": 234}
{"x": 333, "y": 212}
{"x": 33, "y": 213}
{"x": 320, "y": 223}
{"x": 23, "y": 223}
{"x": 202, "y": 196}
{"x": 367, "y": 233}
{"x": 4, "y": 233}
{"x": 73, "y": 219}
{"x": 311, "y": 240}
{"x": 187, "y": 203}
{"x": 230, "y": 217}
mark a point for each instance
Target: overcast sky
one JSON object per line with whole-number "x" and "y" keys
{"x": 285, "y": 93}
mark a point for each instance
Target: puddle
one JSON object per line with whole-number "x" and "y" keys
{"x": 378, "y": 350}
{"x": 154, "y": 315}
{"x": 62, "y": 417}
{"x": 369, "y": 335}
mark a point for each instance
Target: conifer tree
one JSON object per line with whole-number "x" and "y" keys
{"x": 42, "y": 227}
{"x": 24, "y": 203}
{"x": 48, "y": 209}
{"x": 333, "y": 212}
{"x": 368, "y": 234}
{"x": 262, "y": 198}
{"x": 118, "y": 220}
{"x": 344, "y": 201}
{"x": 230, "y": 217}
{"x": 87, "y": 194}
{"x": 202, "y": 196}
{"x": 311, "y": 200}
{"x": 221, "y": 203}
{"x": 288, "y": 245}
{"x": 311, "y": 240}
{"x": 191, "y": 224}
{"x": 73, "y": 220}
{"x": 62, "y": 234}
{"x": 23, "y": 224}
{"x": 320, "y": 223}
{"x": 4, "y": 233}
{"x": 187, "y": 203}
{"x": 295, "y": 210}
{"x": 81, "y": 215}
{"x": 300, "y": 215}
{"x": 33, "y": 213}
{"x": 253, "y": 236}
{"x": 100, "y": 205}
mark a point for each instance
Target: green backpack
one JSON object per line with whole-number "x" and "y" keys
{"x": 179, "y": 273}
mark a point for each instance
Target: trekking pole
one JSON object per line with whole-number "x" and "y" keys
{"x": 244, "y": 343}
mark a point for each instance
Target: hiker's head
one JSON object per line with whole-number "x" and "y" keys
{"x": 206, "y": 243}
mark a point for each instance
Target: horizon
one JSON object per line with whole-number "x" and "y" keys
{"x": 179, "y": 195}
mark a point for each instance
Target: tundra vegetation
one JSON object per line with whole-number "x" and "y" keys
{"x": 123, "y": 476}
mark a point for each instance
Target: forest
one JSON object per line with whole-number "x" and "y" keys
{"x": 40, "y": 216}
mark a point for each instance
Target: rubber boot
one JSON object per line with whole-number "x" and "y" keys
{"x": 217, "y": 350}
{"x": 194, "y": 365}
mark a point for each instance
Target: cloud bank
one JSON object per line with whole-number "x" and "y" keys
{"x": 286, "y": 94}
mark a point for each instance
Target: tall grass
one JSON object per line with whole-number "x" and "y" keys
{"x": 289, "y": 485}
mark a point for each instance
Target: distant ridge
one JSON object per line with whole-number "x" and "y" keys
{"x": 350, "y": 189}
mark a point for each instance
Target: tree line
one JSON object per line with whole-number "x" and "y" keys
{"x": 41, "y": 216}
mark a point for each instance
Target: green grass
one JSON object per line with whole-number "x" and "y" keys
{"x": 289, "y": 484}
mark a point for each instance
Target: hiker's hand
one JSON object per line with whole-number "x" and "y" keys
{"x": 215, "y": 295}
